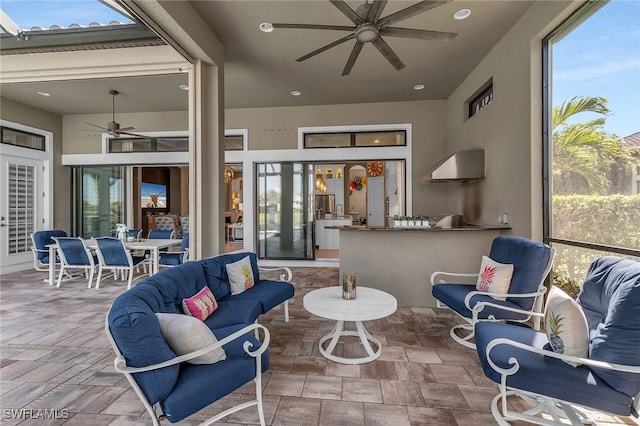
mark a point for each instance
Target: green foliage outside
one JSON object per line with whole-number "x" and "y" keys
{"x": 603, "y": 219}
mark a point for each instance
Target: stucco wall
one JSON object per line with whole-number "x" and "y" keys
{"x": 276, "y": 128}
{"x": 510, "y": 128}
{"x": 29, "y": 116}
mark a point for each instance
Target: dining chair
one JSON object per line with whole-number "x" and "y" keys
{"x": 175, "y": 258}
{"x": 113, "y": 255}
{"x": 162, "y": 234}
{"x": 74, "y": 254}
{"x": 41, "y": 240}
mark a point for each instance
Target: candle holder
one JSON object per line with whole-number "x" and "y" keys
{"x": 349, "y": 286}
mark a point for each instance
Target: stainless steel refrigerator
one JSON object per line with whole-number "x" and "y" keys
{"x": 324, "y": 204}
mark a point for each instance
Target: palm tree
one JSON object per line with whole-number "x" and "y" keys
{"x": 583, "y": 151}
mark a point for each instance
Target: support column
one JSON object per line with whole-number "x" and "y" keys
{"x": 206, "y": 160}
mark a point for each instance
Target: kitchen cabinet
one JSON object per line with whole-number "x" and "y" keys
{"x": 329, "y": 238}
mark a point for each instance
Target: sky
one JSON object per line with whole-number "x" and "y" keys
{"x": 599, "y": 58}
{"x": 30, "y": 13}
{"x": 602, "y": 58}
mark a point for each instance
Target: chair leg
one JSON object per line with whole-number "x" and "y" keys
{"x": 130, "y": 273}
{"x": 59, "y": 280}
{"x": 99, "y": 277}
{"x": 91, "y": 271}
{"x": 286, "y": 311}
{"x": 464, "y": 341}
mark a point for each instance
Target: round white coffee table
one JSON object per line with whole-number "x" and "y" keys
{"x": 369, "y": 304}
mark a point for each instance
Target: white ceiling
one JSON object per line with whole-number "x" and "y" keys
{"x": 261, "y": 71}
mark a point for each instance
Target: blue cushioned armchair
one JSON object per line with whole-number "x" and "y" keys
{"x": 531, "y": 262}
{"x": 522, "y": 362}
{"x": 41, "y": 240}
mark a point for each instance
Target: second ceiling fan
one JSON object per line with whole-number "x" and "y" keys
{"x": 113, "y": 127}
{"x": 369, "y": 27}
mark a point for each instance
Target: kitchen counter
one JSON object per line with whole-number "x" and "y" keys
{"x": 433, "y": 229}
{"x": 401, "y": 260}
{"x": 327, "y": 231}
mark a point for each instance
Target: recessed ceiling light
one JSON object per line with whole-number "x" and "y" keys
{"x": 266, "y": 27}
{"x": 418, "y": 87}
{"x": 296, "y": 93}
{"x": 462, "y": 14}
{"x": 184, "y": 86}
{"x": 43, "y": 93}
{"x": 376, "y": 141}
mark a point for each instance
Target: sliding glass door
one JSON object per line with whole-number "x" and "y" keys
{"x": 99, "y": 200}
{"x": 284, "y": 227}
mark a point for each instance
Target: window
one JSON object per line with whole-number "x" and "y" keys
{"x": 592, "y": 99}
{"x": 151, "y": 144}
{"x": 481, "y": 99}
{"x": 233, "y": 143}
{"x": 22, "y": 139}
{"x": 355, "y": 139}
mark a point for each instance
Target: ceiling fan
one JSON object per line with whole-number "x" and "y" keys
{"x": 113, "y": 127}
{"x": 370, "y": 27}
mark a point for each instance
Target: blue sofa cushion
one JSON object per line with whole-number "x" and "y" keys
{"x": 136, "y": 331}
{"x": 546, "y": 376}
{"x": 175, "y": 284}
{"x": 529, "y": 259}
{"x": 453, "y": 296}
{"x": 200, "y": 385}
{"x": 42, "y": 239}
{"x": 610, "y": 299}
{"x": 267, "y": 293}
{"x": 232, "y": 311}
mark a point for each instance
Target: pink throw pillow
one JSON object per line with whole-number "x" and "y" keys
{"x": 200, "y": 305}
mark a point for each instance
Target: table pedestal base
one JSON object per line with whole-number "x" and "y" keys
{"x": 365, "y": 338}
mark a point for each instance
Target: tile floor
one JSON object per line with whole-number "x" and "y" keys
{"x": 54, "y": 355}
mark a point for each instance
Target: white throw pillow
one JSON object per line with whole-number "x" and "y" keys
{"x": 566, "y": 325}
{"x": 185, "y": 334}
{"x": 240, "y": 275}
{"x": 494, "y": 277}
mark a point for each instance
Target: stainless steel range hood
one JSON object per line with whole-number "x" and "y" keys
{"x": 460, "y": 166}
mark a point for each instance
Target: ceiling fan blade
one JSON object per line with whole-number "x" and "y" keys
{"x": 352, "y": 58}
{"x": 95, "y": 125}
{"x": 376, "y": 10}
{"x": 327, "y": 47}
{"x": 388, "y": 53}
{"x": 314, "y": 27}
{"x": 418, "y": 34}
{"x": 410, "y": 11}
{"x": 347, "y": 11}
{"x": 129, "y": 134}
{"x": 125, "y": 129}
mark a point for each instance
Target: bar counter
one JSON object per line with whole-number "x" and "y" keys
{"x": 401, "y": 260}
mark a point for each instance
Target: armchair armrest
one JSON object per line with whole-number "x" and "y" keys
{"x": 285, "y": 276}
{"x": 574, "y": 359}
{"x": 449, "y": 274}
{"x": 478, "y": 307}
{"x": 121, "y": 364}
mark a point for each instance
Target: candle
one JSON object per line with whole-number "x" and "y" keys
{"x": 349, "y": 286}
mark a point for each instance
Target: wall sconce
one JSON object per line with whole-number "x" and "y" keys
{"x": 228, "y": 174}
{"x": 339, "y": 173}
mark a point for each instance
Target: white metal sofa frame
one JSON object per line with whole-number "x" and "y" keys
{"x": 156, "y": 412}
{"x": 478, "y": 307}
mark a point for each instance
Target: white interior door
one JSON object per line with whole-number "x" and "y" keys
{"x": 21, "y": 209}
{"x": 375, "y": 201}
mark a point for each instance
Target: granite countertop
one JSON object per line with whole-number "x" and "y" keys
{"x": 433, "y": 229}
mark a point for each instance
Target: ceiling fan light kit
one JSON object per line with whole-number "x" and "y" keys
{"x": 369, "y": 27}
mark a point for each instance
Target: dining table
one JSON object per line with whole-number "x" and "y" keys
{"x": 153, "y": 245}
